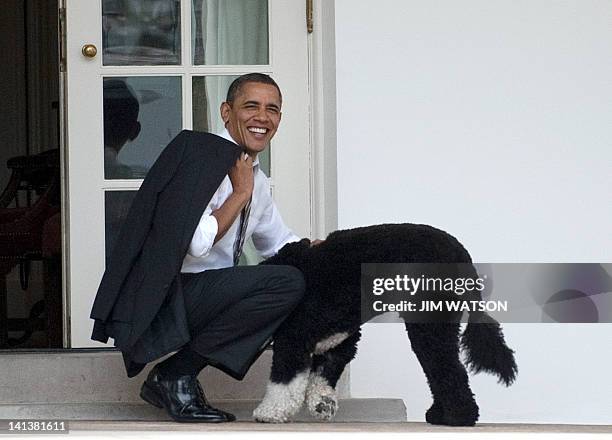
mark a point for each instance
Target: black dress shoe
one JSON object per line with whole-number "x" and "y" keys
{"x": 182, "y": 398}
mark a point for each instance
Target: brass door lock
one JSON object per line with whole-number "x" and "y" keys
{"x": 89, "y": 51}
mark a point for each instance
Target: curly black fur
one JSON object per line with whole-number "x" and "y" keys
{"x": 486, "y": 350}
{"x": 331, "y": 306}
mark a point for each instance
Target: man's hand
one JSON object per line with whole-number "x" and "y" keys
{"x": 241, "y": 176}
{"x": 316, "y": 242}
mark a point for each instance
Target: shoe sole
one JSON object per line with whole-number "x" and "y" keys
{"x": 150, "y": 396}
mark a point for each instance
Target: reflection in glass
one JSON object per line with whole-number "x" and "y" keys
{"x": 141, "y": 116}
{"x": 208, "y": 94}
{"x": 230, "y": 32}
{"x": 116, "y": 206}
{"x": 137, "y": 32}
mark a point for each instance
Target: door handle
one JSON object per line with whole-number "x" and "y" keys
{"x": 89, "y": 51}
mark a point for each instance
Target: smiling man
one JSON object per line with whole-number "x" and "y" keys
{"x": 232, "y": 310}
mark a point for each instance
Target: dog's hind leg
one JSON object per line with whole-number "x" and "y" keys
{"x": 327, "y": 367}
{"x": 291, "y": 362}
{"x": 436, "y": 346}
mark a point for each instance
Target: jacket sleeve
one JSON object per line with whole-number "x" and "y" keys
{"x": 135, "y": 228}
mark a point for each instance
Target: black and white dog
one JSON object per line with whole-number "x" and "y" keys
{"x": 314, "y": 344}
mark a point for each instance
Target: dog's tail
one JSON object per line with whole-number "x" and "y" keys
{"x": 485, "y": 347}
{"x": 486, "y": 350}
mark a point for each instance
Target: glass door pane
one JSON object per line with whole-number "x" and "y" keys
{"x": 233, "y": 32}
{"x": 137, "y": 32}
{"x": 141, "y": 116}
{"x": 116, "y": 206}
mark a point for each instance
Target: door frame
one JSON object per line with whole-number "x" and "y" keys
{"x": 322, "y": 79}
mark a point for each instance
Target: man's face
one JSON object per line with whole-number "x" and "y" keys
{"x": 253, "y": 118}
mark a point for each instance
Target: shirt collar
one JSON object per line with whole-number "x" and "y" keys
{"x": 225, "y": 135}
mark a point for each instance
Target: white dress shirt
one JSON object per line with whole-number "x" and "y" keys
{"x": 265, "y": 226}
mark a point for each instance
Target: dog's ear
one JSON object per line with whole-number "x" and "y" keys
{"x": 292, "y": 254}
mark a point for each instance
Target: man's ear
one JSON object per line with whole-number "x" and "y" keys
{"x": 225, "y": 111}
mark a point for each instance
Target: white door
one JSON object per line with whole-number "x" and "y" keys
{"x": 149, "y": 69}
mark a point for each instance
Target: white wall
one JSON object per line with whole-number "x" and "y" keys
{"x": 492, "y": 120}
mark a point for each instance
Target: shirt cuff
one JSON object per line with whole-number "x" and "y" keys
{"x": 290, "y": 238}
{"x": 204, "y": 236}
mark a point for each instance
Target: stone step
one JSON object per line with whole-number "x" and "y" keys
{"x": 349, "y": 410}
{"x": 98, "y": 375}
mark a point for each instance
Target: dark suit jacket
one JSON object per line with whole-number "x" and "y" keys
{"x": 139, "y": 302}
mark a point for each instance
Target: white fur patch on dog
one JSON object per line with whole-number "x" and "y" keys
{"x": 282, "y": 401}
{"x": 331, "y": 342}
{"x": 321, "y": 398}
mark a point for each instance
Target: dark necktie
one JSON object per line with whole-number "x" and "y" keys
{"x": 239, "y": 243}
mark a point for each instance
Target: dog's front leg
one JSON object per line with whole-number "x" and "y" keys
{"x": 282, "y": 400}
{"x": 287, "y": 386}
{"x": 327, "y": 367}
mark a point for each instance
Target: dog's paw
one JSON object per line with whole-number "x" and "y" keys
{"x": 434, "y": 414}
{"x": 321, "y": 398}
{"x": 465, "y": 414}
{"x": 282, "y": 401}
{"x": 325, "y": 409}
{"x": 265, "y": 413}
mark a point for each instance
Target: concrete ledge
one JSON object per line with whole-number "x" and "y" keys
{"x": 99, "y": 376}
{"x": 350, "y": 410}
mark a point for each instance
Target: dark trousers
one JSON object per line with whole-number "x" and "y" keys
{"x": 233, "y": 313}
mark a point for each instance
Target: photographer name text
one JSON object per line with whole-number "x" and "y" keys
{"x": 441, "y": 306}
